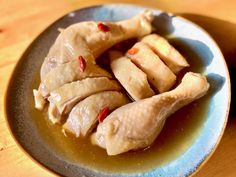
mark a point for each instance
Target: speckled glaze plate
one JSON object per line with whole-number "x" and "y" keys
{"x": 198, "y": 46}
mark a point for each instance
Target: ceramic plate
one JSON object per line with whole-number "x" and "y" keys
{"x": 181, "y": 154}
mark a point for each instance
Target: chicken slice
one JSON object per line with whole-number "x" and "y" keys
{"x": 173, "y": 59}
{"x": 159, "y": 75}
{"x": 136, "y": 125}
{"x": 87, "y": 40}
{"x": 38, "y": 99}
{"x": 66, "y": 96}
{"x": 53, "y": 114}
{"x": 70, "y": 72}
{"x": 130, "y": 76}
{"x": 83, "y": 116}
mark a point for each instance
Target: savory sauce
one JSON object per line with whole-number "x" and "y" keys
{"x": 178, "y": 134}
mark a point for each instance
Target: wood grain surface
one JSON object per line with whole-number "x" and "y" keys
{"x": 22, "y": 20}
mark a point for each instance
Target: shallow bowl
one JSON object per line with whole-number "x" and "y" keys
{"x": 198, "y": 44}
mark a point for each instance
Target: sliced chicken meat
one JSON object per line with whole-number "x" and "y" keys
{"x": 70, "y": 72}
{"x": 130, "y": 76}
{"x": 90, "y": 39}
{"x": 173, "y": 59}
{"x": 84, "y": 115}
{"x": 39, "y": 100}
{"x": 159, "y": 75}
{"x": 65, "y": 97}
{"x": 53, "y": 114}
{"x": 68, "y": 46}
{"x": 136, "y": 125}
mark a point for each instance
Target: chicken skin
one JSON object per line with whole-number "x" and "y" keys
{"x": 136, "y": 125}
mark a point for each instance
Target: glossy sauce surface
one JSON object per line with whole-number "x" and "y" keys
{"x": 179, "y": 132}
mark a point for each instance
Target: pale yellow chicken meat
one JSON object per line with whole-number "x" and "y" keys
{"x": 130, "y": 76}
{"x": 173, "y": 59}
{"x": 87, "y": 39}
{"x": 84, "y": 115}
{"x": 136, "y": 125}
{"x": 63, "y": 99}
{"x": 158, "y": 74}
{"x": 70, "y": 72}
{"x": 84, "y": 93}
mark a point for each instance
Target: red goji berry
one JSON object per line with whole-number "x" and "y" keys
{"x": 132, "y": 51}
{"x": 103, "y": 27}
{"x": 103, "y": 114}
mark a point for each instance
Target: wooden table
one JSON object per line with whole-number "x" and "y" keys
{"x": 22, "y": 20}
